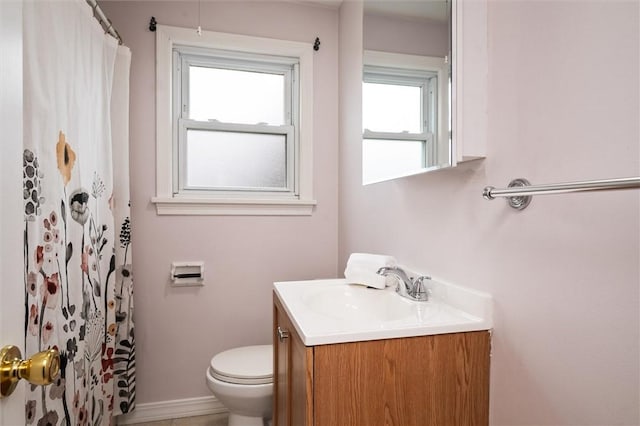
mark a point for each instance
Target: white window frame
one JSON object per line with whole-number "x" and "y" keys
{"x": 425, "y": 80}
{"x": 408, "y": 67}
{"x": 170, "y": 199}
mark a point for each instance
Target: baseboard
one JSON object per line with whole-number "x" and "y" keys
{"x": 165, "y": 410}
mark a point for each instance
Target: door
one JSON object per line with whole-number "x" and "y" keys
{"x": 11, "y": 214}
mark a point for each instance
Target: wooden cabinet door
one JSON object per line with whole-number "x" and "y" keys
{"x": 293, "y": 373}
{"x": 281, "y": 367}
{"x": 301, "y": 377}
{"x": 439, "y": 380}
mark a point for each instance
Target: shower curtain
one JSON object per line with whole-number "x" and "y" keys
{"x": 77, "y": 234}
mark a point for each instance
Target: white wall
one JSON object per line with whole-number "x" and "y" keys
{"x": 563, "y": 105}
{"x": 243, "y": 255}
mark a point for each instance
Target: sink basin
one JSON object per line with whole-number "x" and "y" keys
{"x": 358, "y": 303}
{"x": 332, "y": 311}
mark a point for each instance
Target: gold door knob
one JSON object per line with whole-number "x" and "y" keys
{"x": 41, "y": 369}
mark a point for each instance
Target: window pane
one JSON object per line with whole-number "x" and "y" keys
{"x": 384, "y": 159}
{"x": 232, "y": 96}
{"x": 391, "y": 108}
{"x": 217, "y": 159}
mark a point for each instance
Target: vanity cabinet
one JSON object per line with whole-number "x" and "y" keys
{"x": 439, "y": 379}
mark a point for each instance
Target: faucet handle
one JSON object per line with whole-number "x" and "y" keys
{"x": 420, "y": 291}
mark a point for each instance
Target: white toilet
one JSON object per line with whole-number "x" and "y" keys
{"x": 242, "y": 380}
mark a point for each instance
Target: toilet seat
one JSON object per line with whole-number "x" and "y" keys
{"x": 248, "y": 365}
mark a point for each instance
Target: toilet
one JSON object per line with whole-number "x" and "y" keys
{"x": 242, "y": 380}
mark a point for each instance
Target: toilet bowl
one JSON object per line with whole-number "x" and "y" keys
{"x": 242, "y": 380}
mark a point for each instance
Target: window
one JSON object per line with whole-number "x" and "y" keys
{"x": 401, "y": 115}
{"x": 236, "y": 121}
{"x": 234, "y": 124}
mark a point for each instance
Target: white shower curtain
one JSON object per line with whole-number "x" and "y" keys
{"x": 77, "y": 253}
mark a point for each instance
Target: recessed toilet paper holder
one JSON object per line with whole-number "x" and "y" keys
{"x": 187, "y": 273}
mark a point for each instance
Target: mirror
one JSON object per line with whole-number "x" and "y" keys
{"x": 406, "y": 88}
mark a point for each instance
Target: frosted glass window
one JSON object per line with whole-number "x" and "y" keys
{"x": 384, "y": 159}
{"x": 237, "y": 123}
{"x": 235, "y": 160}
{"x": 391, "y": 108}
{"x": 234, "y": 96}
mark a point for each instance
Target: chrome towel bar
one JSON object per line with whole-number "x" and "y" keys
{"x": 520, "y": 190}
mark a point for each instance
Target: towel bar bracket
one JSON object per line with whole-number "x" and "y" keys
{"x": 518, "y": 202}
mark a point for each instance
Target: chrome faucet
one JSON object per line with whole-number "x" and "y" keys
{"x": 408, "y": 287}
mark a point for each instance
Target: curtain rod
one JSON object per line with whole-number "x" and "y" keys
{"x": 104, "y": 21}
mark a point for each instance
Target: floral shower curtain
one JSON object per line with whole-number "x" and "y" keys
{"x": 77, "y": 251}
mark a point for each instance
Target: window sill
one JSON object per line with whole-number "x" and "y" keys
{"x": 232, "y": 207}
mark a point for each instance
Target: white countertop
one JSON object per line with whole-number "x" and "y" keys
{"x": 332, "y": 311}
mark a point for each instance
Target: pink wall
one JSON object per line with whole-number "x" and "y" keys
{"x": 405, "y": 35}
{"x": 243, "y": 255}
{"x": 563, "y": 105}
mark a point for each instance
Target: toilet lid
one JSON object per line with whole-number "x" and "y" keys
{"x": 245, "y": 365}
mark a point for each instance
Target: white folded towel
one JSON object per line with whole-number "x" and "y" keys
{"x": 378, "y": 259}
{"x": 362, "y": 269}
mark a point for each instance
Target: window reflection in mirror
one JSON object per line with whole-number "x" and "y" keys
{"x": 406, "y": 77}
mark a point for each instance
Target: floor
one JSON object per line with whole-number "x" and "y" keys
{"x": 211, "y": 420}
